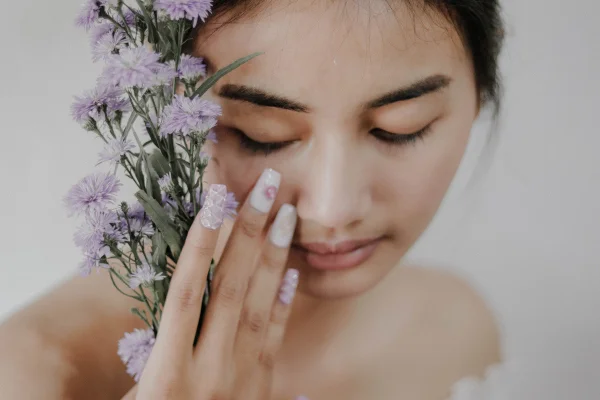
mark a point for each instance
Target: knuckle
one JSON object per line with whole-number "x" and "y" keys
{"x": 199, "y": 246}
{"x": 220, "y": 395}
{"x": 267, "y": 360}
{"x": 272, "y": 261}
{"x": 250, "y": 228}
{"x": 230, "y": 292}
{"x": 188, "y": 295}
{"x": 166, "y": 389}
{"x": 254, "y": 321}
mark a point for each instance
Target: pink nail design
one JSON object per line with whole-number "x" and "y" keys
{"x": 263, "y": 194}
{"x": 270, "y": 192}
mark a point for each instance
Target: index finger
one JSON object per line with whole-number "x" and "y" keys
{"x": 186, "y": 292}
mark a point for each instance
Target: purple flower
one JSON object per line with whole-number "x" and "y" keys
{"x": 135, "y": 66}
{"x": 212, "y": 136}
{"x": 190, "y": 68}
{"x": 89, "y": 14}
{"x": 137, "y": 221}
{"x": 188, "y": 9}
{"x": 114, "y": 150}
{"x": 136, "y": 210}
{"x": 185, "y": 116}
{"x": 204, "y": 157}
{"x": 134, "y": 350}
{"x": 93, "y": 103}
{"x": 164, "y": 76}
{"x": 231, "y": 205}
{"x": 92, "y": 261}
{"x": 90, "y": 235}
{"x": 129, "y": 15}
{"x": 142, "y": 227}
{"x": 144, "y": 275}
{"x": 108, "y": 45}
{"x": 94, "y": 192}
{"x": 166, "y": 183}
{"x": 100, "y": 30}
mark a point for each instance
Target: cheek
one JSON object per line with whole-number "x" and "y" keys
{"x": 240, "y": 171}
{"x": 423, "y": 176}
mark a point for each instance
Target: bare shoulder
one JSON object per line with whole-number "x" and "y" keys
{"x": 71, "y": 333}
{"x": 461, "y": 336}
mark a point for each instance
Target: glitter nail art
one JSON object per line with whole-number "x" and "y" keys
{"x": 288, "y": 286}
{"x": 213, "y": 211}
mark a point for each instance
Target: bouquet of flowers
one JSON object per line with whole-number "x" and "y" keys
{"x": 148, "y": 112}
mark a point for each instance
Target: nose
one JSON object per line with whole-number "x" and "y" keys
{"x": 334, "y": 186}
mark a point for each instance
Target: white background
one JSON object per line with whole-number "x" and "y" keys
{"x": 526, "y": 234}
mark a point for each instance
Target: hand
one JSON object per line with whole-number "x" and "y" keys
{"x": 246, "y": 316}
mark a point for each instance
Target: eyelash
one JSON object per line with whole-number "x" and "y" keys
{"x": 400, "y": 140}
{"x": 254, "y": 146}
{"x": 267, "y": 148}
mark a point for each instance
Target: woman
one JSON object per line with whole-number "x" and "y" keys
{"x": 359, "y": 114}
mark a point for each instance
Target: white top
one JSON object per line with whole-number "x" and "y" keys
{"x": 533, "y": 378}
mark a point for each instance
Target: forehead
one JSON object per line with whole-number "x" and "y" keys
{"x": 324, "y": 52}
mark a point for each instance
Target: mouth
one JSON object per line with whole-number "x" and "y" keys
{"x": 337, "y": 256}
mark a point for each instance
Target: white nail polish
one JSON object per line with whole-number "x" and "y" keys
{"x": 282, "y": 231}
{"x": 263, "y": 194}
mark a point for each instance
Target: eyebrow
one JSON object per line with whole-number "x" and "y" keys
{"x": 420, "y": 88}
{"x": 262, "y": 98}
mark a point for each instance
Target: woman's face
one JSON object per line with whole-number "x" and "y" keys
{"x": 366, "y": 114}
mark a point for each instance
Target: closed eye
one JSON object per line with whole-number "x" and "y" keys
{"x": 257, "y": 147}
{"x": 399, "y": 139}
{"x": 266, "y": 148}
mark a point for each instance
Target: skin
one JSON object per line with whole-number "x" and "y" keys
{"x": 380, "y": 330}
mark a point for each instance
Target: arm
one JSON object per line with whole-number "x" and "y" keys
{"x": 64, "y": 346}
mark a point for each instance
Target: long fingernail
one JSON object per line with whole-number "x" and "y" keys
{"x": 288, "y": 286}
{"x": 263, "y": 194}
{"x": 282, "y": 231}
{"x": 213, "y": 211}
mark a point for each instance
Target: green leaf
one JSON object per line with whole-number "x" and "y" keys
{"x": 148, "y": 20}
{"x": 129, "y": 125}
{"x": 136, "y": 311}
{"x": 159, "y": 251}
{"x": 162, "y": 221}
{"x": 160, "y": 289}
{"x": 139, "y": 174}
{"x": 208, "y": 83}
{"x": 152, "y": 182}
{"x": 159, "y": 163}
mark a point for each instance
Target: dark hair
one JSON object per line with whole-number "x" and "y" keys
{"x": 478, "y": 22}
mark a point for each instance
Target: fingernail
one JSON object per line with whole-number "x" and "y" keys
{"x": 302, "y": 398}
{"x": 288, "y": 287}
{"x": 213, "y": 211}
{"x": 263, "y": 194}
{"x": 282, "y": 231}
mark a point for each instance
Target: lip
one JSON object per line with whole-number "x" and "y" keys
{"x": 337, "y": 256}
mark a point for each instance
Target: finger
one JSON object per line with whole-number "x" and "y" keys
{"x": 276, "y": 331}
{"x": 255, "y": 316}
{"x": 184, "y": 300}
{"x": 131, "y": 394}
{"x": 237, "y": 265}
